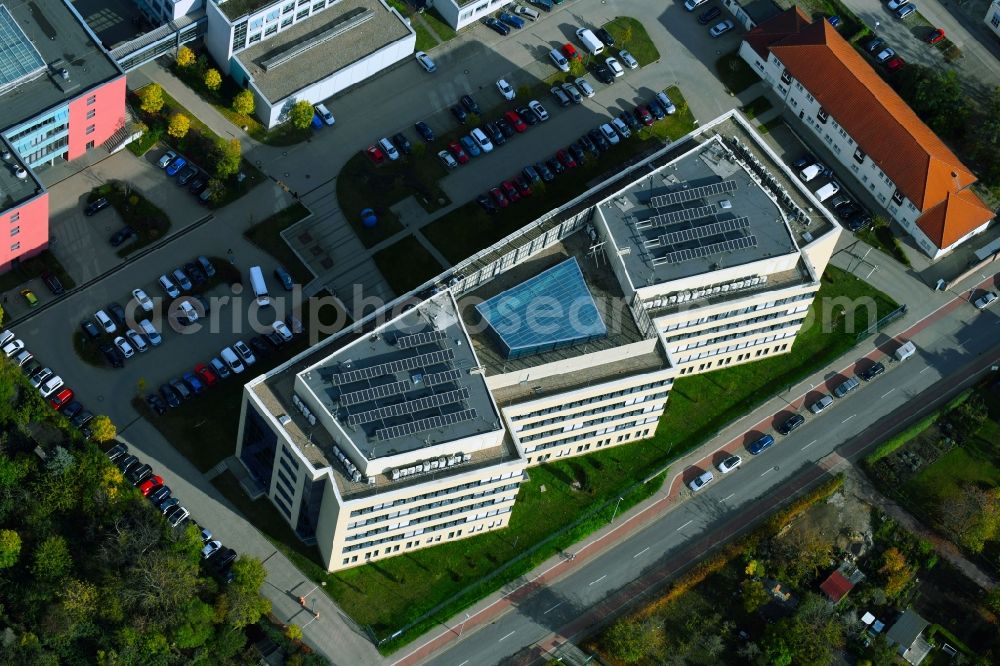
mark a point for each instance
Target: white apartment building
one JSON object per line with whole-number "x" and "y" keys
{"x": 460, "y": 13}
{"x": 992, "y": 19}
{"x": 162, "y": 11}
{"x": 290, "y": 50}
{"x": 560, "y": 340}
{"x": 869, "y": 128}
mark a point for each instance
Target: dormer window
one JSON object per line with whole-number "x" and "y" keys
{"x": 859, "y": 156}
{"x": 786, "y": 78}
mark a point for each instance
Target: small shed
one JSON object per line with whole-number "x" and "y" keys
{"x": 836, "y": 586}
{"x": 906, "y": 634}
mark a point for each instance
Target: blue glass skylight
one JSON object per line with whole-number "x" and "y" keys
{"x": 554, "y": 309}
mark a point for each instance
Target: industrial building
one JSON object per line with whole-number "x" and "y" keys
{"x": 560, "y": 340}
{"x": 61, "y": 95}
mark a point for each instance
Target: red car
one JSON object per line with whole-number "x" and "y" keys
{"x": 895, "y": 64}
{"x": 510, "y": 191}
{"x": 375, "y": 154}
{"x": 643, "y": 115}
{"x": 499, "y": 198}
{"x": 456, "y": 150}
{"x": 207, "y": 374}
{"x": 523, "y": 186}
{"x": 566, "y": 159}
{"x": 515, "y": 121}
{"x": 61, "y": 399}
{"x": 150, "y": 484}
{"x": 570, "y": 52}
{"x": 936, "y": 36}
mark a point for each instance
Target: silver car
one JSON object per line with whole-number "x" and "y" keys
{"x": 585, "y": 88}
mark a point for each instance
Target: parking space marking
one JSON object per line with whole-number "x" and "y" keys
{"x": 809, "y": 444}
{"x": 684, "y": 525}
{"x": 768, "y": 471}
{"x": 598, "y": 580}
{"x": 925, "y": 369}
{"x": 727, "y": 497}
{"x": 553, "y": 608}
{"x": 888, "y": 392}
{"x": 849, "y": 418}
{"x": 507, "y": 636}
{"x": 640, "y": 552}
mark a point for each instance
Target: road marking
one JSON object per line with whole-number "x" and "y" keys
{"x": 768, "y": 471}
{"x": 925, "y": 369}
{"x": 809, "y": 444}
{"x": 640, "y": 552}
{"x": 684, "y": 525}
{"x": 507, "y": 636}
{"x": 598, "y": 580}
{"x": 849, "y": 418}
{"x": 725, "y": 498}
{"x": 888, "y": 392}
{"x": 548, "y": 611}
{"x": 464, "y": 663}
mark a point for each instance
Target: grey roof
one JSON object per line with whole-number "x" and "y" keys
{"x": 907, "y": 628}
{"x": 61, "y": 40}
{"x": 13, "y": 189}
{"x": 234, "y": 9}
{"x": 408, "y": 385}
{"x": 278, "y": 81}
{"x": 699, "y": 214}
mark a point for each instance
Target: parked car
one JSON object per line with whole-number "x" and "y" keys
{"x": 691, "y": 5}
{"x": 527, "y": 115}
{"x": 150, "y": 484}
{"x": 623, "y": 130}
{"x": 244, "y": 352}
{"x": 124, "y": 347}
{"x": 604, "y": 36}
{"x": 515, "y": 121}
{"x": 284, "y": 277}
{"x": 664, "y": 101}
{"x": 206, "y": 266}
{"x": 496, "y": 26}
{"x": 506, "y": 89}
{"x": 495, "y": 133}
{"x": 760, "y": 445}
{"x": 170, "y": 396}
{"x": 112, "y": 355}
{"x": 701, "y": 481}
{"x": 791, "y": 423}
{"x": 137, "y": 340}
{"x": 459, "y": 113}
{"x": 470, "y": 104}
{"x": 121, "y": 236}
{"x": 61, "y": 398}
{"x": 144, "y": 301}
{"x": 169, "y": 287}
{"x": 221, "y": 370}
{"x": 498, "y": 197}
{"x": 105, "y": 321}
{"x": 470, "y": 146}
{"x": 643, "y": 115}
{"x": 510, "y": 191}
{"x": 402, "y": 143}
{"x": 846, "y": 386}
{"x": 182, "y": 280}
{"x": 985, "y": 301}
{"x": 935, "y": 36}
{"x": 388, "y": 149}
{"x": 872, "y": 371}
{"x": 505, "y": 127}
{"x": 602, "y": 73}
{"x": 566, "y": 159}
{"x": 375, "y": 154}
{"x": 905, "y": 10}
{"x": 194, "y": 381}
{"x": 166, "y": 159}
{"x": 708, "y": 15}
{"x": 539, "y": 110}
{"x": 96, "y": 206}
{"x": 486, "y": 204}
{"x": 561, "y": 96}
{"x": 615, "y": 67}
{"x": 628, "y": 59}
{"x": 53, "y": 283}
{"x": 425, "y": 131}
{"x": 573, "y": 93}
{"x": 523, "y": 186}
{"x": 458, "y": 152}
{"x": 425, "y": 61}
{"x": 186, "y": 175}
{"x": 721, "y": 28}
{"x": 610, "y": 135}
{"x": 821, "y": 404}
{"x": 176, "y": 165}
{"x": 729, "y": 464}
{"x": 210, "y": 548}
{"x": 885, "y": 55}
{"x": 584, "y": 87}
{"x": 449, "y": 161}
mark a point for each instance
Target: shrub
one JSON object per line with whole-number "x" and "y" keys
{"x": 179, "y": 126}
{"x": 151, "y": 98}
{"x": 301, "y": 114}
{"x": 213, "y": 79}
{"x": 243, "y": 102}
{"x": 185, "y": 57}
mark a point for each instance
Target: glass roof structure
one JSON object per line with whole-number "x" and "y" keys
{"x": 19, "y": 59}
{"x": 554, "y": 309}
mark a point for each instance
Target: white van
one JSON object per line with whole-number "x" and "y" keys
{"x": 828, "y": 190}
{"x": 560, "y": 60}
{"x": 811, "y": 171}
{"x": 325, "y": 114}
{"x": 259, "y": 286}
{"x": 232, "y": 360}
{"x": 389, "y": 149}
{"x": 481, "y": 140}
{"x": 590, "y": 41}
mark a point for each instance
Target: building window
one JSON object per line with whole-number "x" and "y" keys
{"x": 288, "y": 8}
{"x": 301, "y": 15}
{"x": 995, "y": 21}
{"x": 271, "y": 29}
{"x": 90, "y": 144}
{"x": 319, "y": 5}
{"x": 239, "y": 36}
{"x": 91, "y": 113}
{"x": 273, "y": 15}
{"x": 91, "y": 100}
{"x": 15, "y": 231}
{"x": 285, "y": 22}
{"x": 859, "y": 156}
{"x": 254, "y": 39}
{"x": 15, "y": 217}
{"x": 15, "y": 247}
{"x": 91, "y": 129}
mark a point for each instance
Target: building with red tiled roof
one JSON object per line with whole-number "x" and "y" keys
{"x": 869, "y": 128}
{"x": 836, "y": 586}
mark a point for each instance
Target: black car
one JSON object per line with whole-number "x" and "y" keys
{"x": 30, "y": 368}
{"x": 198, "y": 185}
{"x": 506, "y": 127}
{"x": 221, "y": 564}
{"x": 469, "y": 104}
{"x": 53, "y": 283}
{"x": 156, "y": 404}
{"x": 112, "y": 355}
{"x": 845, "y": 210}
{"x": 531, "y": 174}
{"x": 72, "y": 409}
{"x": 402, "y": 143}
{"x": 260, "y": 346}
{"x": 96, "y": 206}
{"x": 284, "y": 277}
{"x": 195, "y": 273}
{"x": 555, "y": 166}
{"x": 274, "y": 340}
{"x": 527, "y": 115}
{"x": 604, "y": 36}
{"x": 654, "y": 107}
{"x": 629, "y": 120}
{"x": 603, "y": 74}
{"x": 170, "y": 396}
{"x": 791, "y": 424}
{"x": 803, "y": 161}
{"x": 117, "y": 313}
{"x": 126, "y": 462}
{"x": 708, "y": 15}
{"x": 121, "y": 236}
{"x": 577, "y": 152}
{"x": 588, "y": 143}
{"x": 497, "y": 26}
{"x": 82, "y": 419}
{"x": 599, "y": 141}
{"x": 187, "y": 175}
{"x": 874, "y": 44}
{"x": 496, "y": 135}
{"x": 425, "y": 131}
{"x": 159, "y": 495}
{"x": 181, "y": 388}
{"x": 137, "y": 475}
{"x": 545, "y": 173}
{"x": 871, "y": 372}
{"x": 487, "y": 204}
{"x": 90, "y": 328}
{"x": 459, "y": 113}
{"x": 860, "y": 221}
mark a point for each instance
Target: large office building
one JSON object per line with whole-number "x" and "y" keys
{"x": 291, "y": 50}
{"x": 870, "y": 130}
{"x": 60, "y": 96}
{"x": 563, "y": 339}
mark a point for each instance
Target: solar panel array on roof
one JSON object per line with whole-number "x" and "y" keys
{"x": 409, "y": 407}
{"x": 740, "y": 243}
{"x": 423, "y": 425}
{"x": 374, "y": 393}
{"x": 441, "y": 377}
{"x": 683, "y": 215}
{"x": 705, "y": 231}
{"x": 392, "y": 367}
{"x": 692, "y": 193}
{"x": 552, "y": 310}
{"x": 19, "y": 59}
{"x": 408, "y": 341}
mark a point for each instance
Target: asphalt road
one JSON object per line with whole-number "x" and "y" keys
{"x": 944, "y": 348}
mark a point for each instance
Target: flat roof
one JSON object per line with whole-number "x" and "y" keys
{"x": 700, "y": 213}
{"x": 234, "y": 9}
{"x": 409, "y": 385}
{"x": 38, "y": 40}
{"x": 13, "y": 188}
{"x": 325, "y": 43}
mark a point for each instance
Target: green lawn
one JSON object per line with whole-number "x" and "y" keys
{"x": 425, "y": 40}
{"x": 880, "y": 236}
{"x": 756, "y": 106}
{"x": 406, "y": 264}
{"x": 149, "y": 221}
{"x": 735, "y": 73}
{"x": 631, "y": 35}
{"x": 468, "y": 229}
{"x": 267, "y": 236}
{"x": 33, "y": 267}
{"x": 437, "y": 24}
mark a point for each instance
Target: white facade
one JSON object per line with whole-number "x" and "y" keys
{"x": 162, "y": 11}
{"x": 992, "y": 19}
{"x": 460, "y": 13}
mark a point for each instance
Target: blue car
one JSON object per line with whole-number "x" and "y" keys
{"x": 194, "y": 382}
{"x": 511, "y": 20}
{"x": 175, "y": 166}
{"x": 470, "y": 146}
{"x": 761, "y": 445}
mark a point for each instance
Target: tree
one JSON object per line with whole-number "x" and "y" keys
{"x": 52, "y": 559}
{"x": 624, "y": 641}
{"x": 213, "y": 79}
{"x": 10, "y": 548}
{"x": 185, "y": 57}
{"x": 245, "y": 603}
{"x": 301, "y": 114}
{"x": 227, "y": 158}
{"x": 936, "y": 96}
{"x": 1, "y": 314}
{"x": 895, "y": 570}
{"x": 79, "y": 599}
{"x": 151, "y": 98}
{"x": 179, "y": 126}
{"x": 293, "y": 632}
{"x": 972, "y": 515}
{"x": 988, "y": 138}
{"x": 243, "y": 103}
{"x": 196, "y": 627}
{"x": 102, "y": 429}
{"x": 755, "y": 595}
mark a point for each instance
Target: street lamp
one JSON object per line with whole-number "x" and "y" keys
{"x": 616, "y": 509}
{"x": 877, "y": 24}
{"x": 462, "y": 628}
